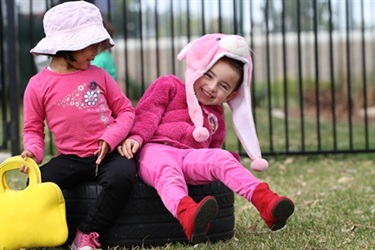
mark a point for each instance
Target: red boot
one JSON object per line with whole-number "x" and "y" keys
{"x": 274, "y": 209}
{"x": 195, "y": 218}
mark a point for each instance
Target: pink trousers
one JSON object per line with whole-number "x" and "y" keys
{"x": 169, "y": 170}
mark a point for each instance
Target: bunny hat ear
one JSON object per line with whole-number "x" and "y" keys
{"x": 200, "y": 55}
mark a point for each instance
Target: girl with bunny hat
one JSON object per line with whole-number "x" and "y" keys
{"x": 179, "y": 129}
{"x": 87, "y": 113}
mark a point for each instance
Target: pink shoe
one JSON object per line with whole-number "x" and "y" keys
{"x": 85, "y": 241}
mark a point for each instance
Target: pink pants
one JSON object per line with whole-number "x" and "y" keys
{"x": 169, "y": 169}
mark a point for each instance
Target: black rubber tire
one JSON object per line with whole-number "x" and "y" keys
{"x": 144, "y": 221}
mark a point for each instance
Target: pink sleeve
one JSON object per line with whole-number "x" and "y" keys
{"x": 123, "y": 112}
{"x": 138, "y": 139}
{"x": 33, "y": 128}
{"x": 151, "y": 108}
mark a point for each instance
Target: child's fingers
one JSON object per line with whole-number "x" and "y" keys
{"x": 101, "y": 151}
{"x": 135, "y": 147}
{"x": 128, "y": 151}
{"x": 24, "y": 169}
{"x": 101, "y": 156}
{"x": 120, "y": 151}
{"x": 128, "y": 148}
{"x": 26, "y": 154}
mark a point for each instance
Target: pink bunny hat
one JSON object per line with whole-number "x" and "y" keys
{"x": 201, "y": 54}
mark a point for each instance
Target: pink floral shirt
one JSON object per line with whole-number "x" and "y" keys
{"x": 80, "y": 108}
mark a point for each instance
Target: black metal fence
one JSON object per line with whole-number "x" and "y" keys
{"x": 313, "y": 85}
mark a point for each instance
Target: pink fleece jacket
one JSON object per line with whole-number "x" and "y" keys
{"x": 162, "y": 117}
{"x": 80, "y": 108}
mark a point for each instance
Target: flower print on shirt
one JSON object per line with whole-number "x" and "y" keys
{"x": 92, "y": 95}
{"x": 82, "y": 97}
{"x": 91, "y": 98}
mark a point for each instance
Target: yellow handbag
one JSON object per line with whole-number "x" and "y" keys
{"x": 34, "y": 216}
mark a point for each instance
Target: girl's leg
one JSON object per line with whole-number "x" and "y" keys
{"x": 116, "y": 175}
{"x": 160, "y": 167}
{"x": 68, "y": 170}
{"x": 205, "y": 165}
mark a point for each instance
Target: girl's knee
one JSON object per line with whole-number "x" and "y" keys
{"x": 222, "y": 155}
{"x": 122, "y": 174}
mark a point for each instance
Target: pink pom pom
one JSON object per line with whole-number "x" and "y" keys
{"x": 259, "y": 165}
{"x": 200, "y": 134}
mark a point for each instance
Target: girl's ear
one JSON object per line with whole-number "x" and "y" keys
{"x": 231, "y": 96}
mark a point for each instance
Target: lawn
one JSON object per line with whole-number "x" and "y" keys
{"x": 334, "y": 198}
{"x": 335, "y": 206}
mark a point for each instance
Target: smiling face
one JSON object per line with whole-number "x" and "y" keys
{"x": 218, "y": 84}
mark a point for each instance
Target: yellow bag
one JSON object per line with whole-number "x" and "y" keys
{"x": 34, "y": 216}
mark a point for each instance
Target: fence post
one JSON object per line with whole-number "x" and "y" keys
{"x": 13, "y": 83}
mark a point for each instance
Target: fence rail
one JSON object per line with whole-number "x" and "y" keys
{"x": 313, "y": 85}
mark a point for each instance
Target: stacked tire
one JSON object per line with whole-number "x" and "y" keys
{"x": 144, "y": 221}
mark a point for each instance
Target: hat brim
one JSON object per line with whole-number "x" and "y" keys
{"x": 74, "y": 41}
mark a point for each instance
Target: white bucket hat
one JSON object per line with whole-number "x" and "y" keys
{"x": 201, "y": 54}
{"x": 72, "y": 26}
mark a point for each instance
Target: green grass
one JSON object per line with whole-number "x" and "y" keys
{"x": 335, "y": 206}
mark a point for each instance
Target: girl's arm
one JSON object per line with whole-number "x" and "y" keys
{"x": 122, "y": 111}
{"x": 33, "y": 128}
{"x": 151, "y": 108}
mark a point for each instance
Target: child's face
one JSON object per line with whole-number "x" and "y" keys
{"x": 84, "y": 56}
{"x": 217, "y": 85}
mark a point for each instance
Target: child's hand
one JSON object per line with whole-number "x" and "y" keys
{"x": 128, "y": 148}
{"x": 102, "y": 151}
{"x": 25, "y": 154}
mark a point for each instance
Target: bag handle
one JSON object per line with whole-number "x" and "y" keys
{"x": 15, "y": 162}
